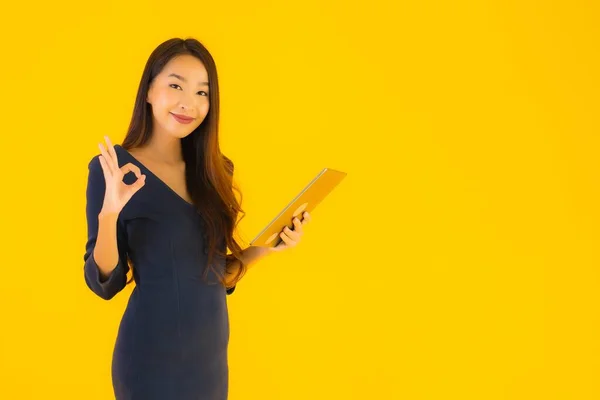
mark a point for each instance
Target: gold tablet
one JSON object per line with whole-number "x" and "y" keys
{"x": 306, "y": 200}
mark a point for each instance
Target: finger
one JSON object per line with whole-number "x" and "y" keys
{"x": 297, "y": 225}
{"x": 306, "y": 218}
{"x": 107, "y": 158}
{"x": 297, "y": 228}
{"x": 287, "y": 239}
{"x": 129, "y": 167}
{"x": 105, "y": 170}
{"x": 111, "y": 151}
{"x": 295, "y": 236}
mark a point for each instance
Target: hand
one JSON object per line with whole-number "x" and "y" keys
{"x": 290, "y": 237}
{"x": 117, "y": 192}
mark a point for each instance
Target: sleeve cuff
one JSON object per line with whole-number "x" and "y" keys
{"x": 103, "y": 288}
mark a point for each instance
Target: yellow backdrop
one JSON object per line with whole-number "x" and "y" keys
{"x": 459, "y": 258}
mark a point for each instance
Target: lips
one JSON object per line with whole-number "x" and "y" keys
{"x": 182, "y": 118}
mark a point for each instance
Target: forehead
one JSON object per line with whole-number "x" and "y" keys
{"x": 187, "y": 66}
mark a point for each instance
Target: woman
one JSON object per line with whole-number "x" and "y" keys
{"x": 162, "y": 206}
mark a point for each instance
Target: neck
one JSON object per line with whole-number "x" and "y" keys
{"x": 164, "y": 148}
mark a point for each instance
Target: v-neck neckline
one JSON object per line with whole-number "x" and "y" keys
{"x": 149, "y": 172}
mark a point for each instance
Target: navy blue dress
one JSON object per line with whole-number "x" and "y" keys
{"x": 173, "y": 336}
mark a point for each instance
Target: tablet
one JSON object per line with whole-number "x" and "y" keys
{"x": 306, "y": 200}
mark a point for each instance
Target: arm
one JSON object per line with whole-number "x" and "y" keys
{"x": 106, "y": 252}
{"x": 250, "y": 256}
{"x": 105, "y": 268}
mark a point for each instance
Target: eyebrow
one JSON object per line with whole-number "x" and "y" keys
{"x": 185, "y": 80}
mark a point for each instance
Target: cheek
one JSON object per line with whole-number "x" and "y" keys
{"x": 166, "y": 99}
{"x": 204, "y": 107}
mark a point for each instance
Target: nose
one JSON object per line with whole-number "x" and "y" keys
{"x": 186, "y": 102}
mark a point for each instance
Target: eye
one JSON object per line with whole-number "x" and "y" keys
{"x": 174, "y": 84}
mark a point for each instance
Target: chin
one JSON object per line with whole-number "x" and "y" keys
{"x": 180, "y": 135}
{"x": 181, "y": 131}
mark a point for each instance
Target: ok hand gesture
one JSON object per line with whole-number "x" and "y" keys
{"x": 117, "y": 192}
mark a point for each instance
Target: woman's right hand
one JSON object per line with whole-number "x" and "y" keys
{"x": 117, "y": 193}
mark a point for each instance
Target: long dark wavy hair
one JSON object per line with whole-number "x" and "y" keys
{"x": 209, "y": 173}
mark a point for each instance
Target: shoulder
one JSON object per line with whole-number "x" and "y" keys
{"x": 94, "y": 163}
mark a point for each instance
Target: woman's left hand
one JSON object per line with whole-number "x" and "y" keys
{"x": 290, "y": 237}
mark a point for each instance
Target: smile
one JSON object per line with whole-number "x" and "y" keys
{"x": 182, "y": 119}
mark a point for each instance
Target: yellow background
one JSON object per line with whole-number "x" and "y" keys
{"x": 459, "y": 258}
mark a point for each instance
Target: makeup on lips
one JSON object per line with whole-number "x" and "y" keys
{"x": 182, "y": 118}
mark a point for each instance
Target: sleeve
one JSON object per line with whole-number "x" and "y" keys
{"x": 104, "y": 288}
{"x": 230, "y": 167}
{"x": 227, "y": 258}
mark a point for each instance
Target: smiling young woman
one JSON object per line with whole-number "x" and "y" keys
{"x": 162, "y": 206}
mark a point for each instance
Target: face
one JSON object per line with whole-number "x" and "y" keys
{"x": 181, "y": 88}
